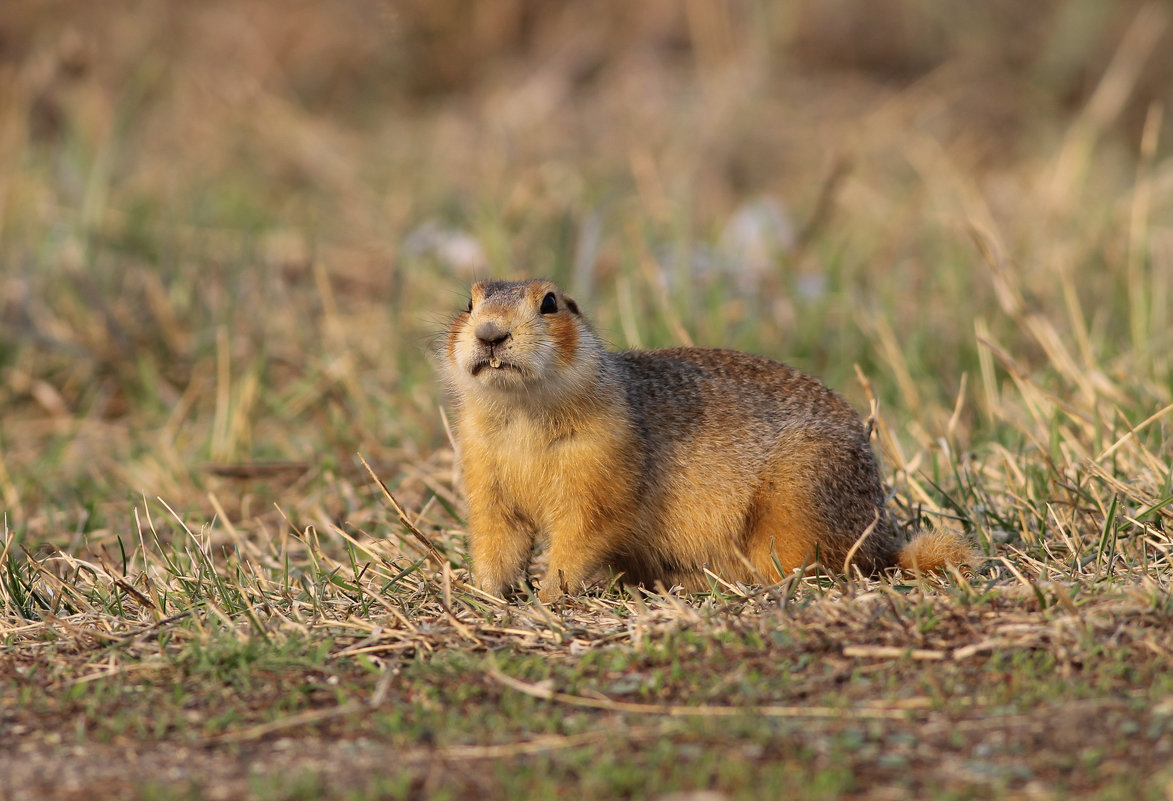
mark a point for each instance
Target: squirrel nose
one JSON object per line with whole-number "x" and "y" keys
{"x": 491, "y": 333}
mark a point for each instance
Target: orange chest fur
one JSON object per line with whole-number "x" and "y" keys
{"x": 535, "y": 470}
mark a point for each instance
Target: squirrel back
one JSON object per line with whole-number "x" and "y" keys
{"x": 656, "y": 464}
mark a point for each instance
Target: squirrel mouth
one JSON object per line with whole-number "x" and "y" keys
{"x": 493, "y": 364}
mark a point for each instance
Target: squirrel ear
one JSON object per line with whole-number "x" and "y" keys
{"x": 570, "y": 304}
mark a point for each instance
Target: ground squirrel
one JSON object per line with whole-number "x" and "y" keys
{"x": 654, "y": 464}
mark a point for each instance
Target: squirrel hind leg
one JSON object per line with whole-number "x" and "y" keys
{"x": 781, "y": 532}
{"x": 936, "y": 549}
{"x": 797, "y": 519}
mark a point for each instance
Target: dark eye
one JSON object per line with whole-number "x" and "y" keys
{"x": 549, "y": 304}
{"x": 470, "y": 304}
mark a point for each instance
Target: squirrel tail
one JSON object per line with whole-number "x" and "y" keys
{"x": 936, "y": 550}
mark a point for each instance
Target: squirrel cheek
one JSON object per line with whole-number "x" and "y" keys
{"x": 565, "y": 336}
{"x": 450, "y": 346}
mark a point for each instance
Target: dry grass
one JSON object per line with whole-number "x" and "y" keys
{"x": 227, "y": 244}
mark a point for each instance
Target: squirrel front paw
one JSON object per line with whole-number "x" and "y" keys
{"x": 556, "y": 585}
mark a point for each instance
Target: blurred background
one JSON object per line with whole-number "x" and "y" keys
{"x": 230, "y": 230}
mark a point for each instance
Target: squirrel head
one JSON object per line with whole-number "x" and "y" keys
{"x": 526, "y": 339}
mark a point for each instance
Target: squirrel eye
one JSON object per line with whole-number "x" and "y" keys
{"x": 469, "y": 304}
{"x": 549, "y": 304}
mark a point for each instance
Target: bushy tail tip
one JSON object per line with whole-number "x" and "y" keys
{"x": 936, "y": 550}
